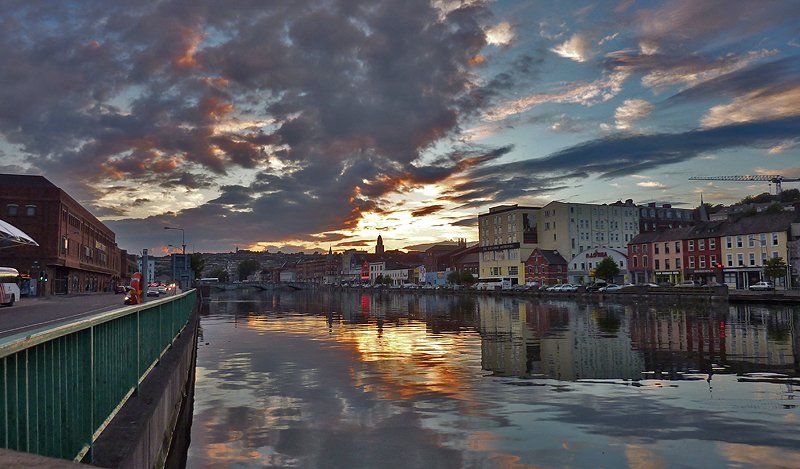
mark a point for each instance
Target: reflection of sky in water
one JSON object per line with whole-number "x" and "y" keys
{"x": 348, "y": 380}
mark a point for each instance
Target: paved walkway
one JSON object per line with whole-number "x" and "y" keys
{"x": 31, "y": 313}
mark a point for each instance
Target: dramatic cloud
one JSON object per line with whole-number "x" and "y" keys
{"x": 500, "y": 34}
{"x": 759, "y": 105}
{"x": 576, "y": 48}
{"x": 631, "y": 111}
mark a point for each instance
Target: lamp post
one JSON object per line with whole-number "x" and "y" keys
{"x": 183, "y": 236}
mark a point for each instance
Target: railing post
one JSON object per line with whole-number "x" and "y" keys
{"x": 91, "y": 390}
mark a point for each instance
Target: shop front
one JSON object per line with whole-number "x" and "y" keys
{"x": 582, "y": 266}
{"x": 704, "y": 276}
{"x": 668, "y": 276}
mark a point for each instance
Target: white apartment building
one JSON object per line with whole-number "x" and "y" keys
{"x": 507, "y": 236}
{"x": 573, "y": 229}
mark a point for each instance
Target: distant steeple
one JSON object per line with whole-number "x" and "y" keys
{"x": 330, "y": 250}
{"x": 379, "y": 246}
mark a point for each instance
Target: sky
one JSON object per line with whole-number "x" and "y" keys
{"x": 322, "y": 124}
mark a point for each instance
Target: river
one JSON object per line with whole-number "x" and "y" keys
{"x": 349, "y": 379}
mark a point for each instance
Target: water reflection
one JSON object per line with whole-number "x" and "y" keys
{"x": 346, "y": 379}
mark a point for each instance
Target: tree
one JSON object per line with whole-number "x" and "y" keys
{"x": 467, "y": 278}
{"x": 775, "y": 268}
{"x": 197, "y": 264}
{"x": 454, "y": 277}
{"x": 774, "y": 208}
{"x": 220, "y": 274}
{"x": 247, "y": 267}
{"x": 606, "y": 269}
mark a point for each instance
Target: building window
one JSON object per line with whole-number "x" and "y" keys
{"x": 677, "y": 262}
{"x": 657, "y": 264}
{"x": 740, "y": 260}
{"x": 729, "y": 242}
{"x": 691, "y": 262}
{"x": 655, "y": 248}
{"x": 751, "y": 240}
{"x": 738, "y": 241}
{"x": 64, "y": 245}
{"x": 774, "y": 254}
{"x": 774, "y": 239}
{"x": 644, "y": 261}
{"x": 712, "y": 243}
{"x": 666, "y": 249}
{"x": 677, "y": 247}
{"x": 12, "y": 210}
{"x": 30, "y": 210}
{"x": 513, "y": 270}
{"x": 752, "y": 259}
{"x": 701, "y": 245}
{"x": 730, "y": 259}
{"x": 702, "y": 262}
{"x": 635, "y": 261}
{"x": 713, "y": 261}
{"x": 691, "y": 245}
{"x": 666, "y": 264}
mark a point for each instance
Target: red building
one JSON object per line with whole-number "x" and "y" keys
{"x": 546, "y": 267}
{"x": 76, "y": 252}
{"x": 702, "y": 254}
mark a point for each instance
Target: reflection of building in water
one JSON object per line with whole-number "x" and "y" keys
{"x": 743, "y": 339}
{"x": 585, "y": 351}
{"x": 521, "y": 338}
{"x": 505, "y": 336}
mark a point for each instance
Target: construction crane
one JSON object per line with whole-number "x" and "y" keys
{"x": 771, "y": 178}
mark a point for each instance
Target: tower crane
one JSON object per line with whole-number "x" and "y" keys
{"x": 771, "y": 178}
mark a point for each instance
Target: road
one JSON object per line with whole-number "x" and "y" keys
{"x": 31, "y": 313}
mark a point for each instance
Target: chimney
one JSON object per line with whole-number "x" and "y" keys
{"x": 628, "y": 201}
{"x": 667, "y": 205}
{"x": 651, "y": 204}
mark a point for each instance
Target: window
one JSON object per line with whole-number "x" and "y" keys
{"x": 691, "y": 245}
{"x": 774, "y": 239}
{"x": 644, "y": 261}
{"x": 701, "y": 245}
{"x": 635, "y": 261}
{"x": 666, "y": 249}
{"x": 740, "y": 260}
{"x": 712, "y": 243}
{"x": 513, "y": 270}
{"x": 655, "y": 248}
{"x": 763, "y": 258}
{"x": 774, "y": 254}
{"x": 30, "y": 210}
{"x": 677, "y": 247}
{"x": 752, "y": 259}
{"x": 751, "y": 240}
{"x": 12, "y": 210}
{"x": 713, "y": 261}
{"x": 763, "y": 239}
{"x": 738, "y": 241}
{"x": 657, "y": 264}
{"x": 64, "y": 245}
{"x": 666, "y": 264}
{"x": 702, "y": 262}
{"x": 729, "y": 242}
{"x": 730, "y": 259}
{"x": 677, "y": 262}
{"x": 691, "y": 262}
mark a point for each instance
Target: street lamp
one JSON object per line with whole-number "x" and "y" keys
{"x": 183, "y": 236}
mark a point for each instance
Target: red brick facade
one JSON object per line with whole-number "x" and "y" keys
{"x": 76, "y": 251}
{"x": 546, "y": 268}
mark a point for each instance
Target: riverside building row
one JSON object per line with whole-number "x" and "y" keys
{"x": 563, "y": 243}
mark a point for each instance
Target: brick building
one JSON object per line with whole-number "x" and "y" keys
{"x": 76, "y": 252}
{"x": 546, "y": 267}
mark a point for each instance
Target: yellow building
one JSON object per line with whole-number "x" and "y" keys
{"x": 749, "y": 242}
{"x": 507, "y": 236}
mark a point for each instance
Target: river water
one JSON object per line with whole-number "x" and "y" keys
{"x": 347, "y": 379}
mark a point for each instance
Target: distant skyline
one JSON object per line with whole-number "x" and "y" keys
{"x": 293, "y": 125}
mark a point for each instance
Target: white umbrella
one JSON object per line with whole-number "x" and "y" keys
{"x": 11, "y": 236}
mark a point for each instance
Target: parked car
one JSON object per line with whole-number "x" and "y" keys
{"x": 568, "y": 287}
{"x": 593, "y": 287}
{"x": 688, "y": 284}
{"x": 762, "y": 286}
{"x": 152, "y": 291}
{"x": 628, "y": 285}
{"x": 162, "y": 289}
{"x": 611, "y": 287}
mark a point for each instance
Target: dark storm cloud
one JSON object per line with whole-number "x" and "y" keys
{"x": 346, "y": 91}
{"x": 623, "y": 154}
{"x": 772, "y": 77}
{"x": 427, "y": 210}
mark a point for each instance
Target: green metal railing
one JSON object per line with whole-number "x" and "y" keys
{"x": 60, "y": 386}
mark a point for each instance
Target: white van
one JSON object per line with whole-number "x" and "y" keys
{"x": 9, "y": 290}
